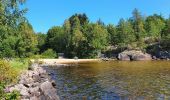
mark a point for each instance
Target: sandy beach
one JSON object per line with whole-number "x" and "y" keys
{"x": 66, "y": 61}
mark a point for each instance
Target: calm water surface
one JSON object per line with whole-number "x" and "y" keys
{"x": 114, "y": 81}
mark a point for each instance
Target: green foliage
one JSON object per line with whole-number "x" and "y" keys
{"x": 8, "y": 96}
{"x": 138, "y": 24}
{"x": 16, "y": 34}
{"x": 29, "y": 40}
{"x": 154, "y": 25}
{"x": 15, "y": 95}
{"x": 165, "y": 43}
{"x": 56, "y": 39}
{"x": 9, "y": 75}
{"x": 10, "y": 70}
{"x": 125, "y": 33}
{"x": 97, "y": 37}
{"x": 41, "y": 39}
{"x": 19, "y": 64}
{"x": 112, "y": 34}
{"x": 166, "y": 35}
{"x": 49, "y": 54}
{"x": 78, "y": 36}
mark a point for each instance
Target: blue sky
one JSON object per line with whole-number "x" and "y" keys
{"x": 43, "y": 14}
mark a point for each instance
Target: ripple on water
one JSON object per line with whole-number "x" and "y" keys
{"x": 114, "y": 81}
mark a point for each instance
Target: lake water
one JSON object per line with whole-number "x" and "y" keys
{"x": 116, "y": 80}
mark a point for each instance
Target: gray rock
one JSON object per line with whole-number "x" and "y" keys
{"x": 35, "y": 91}
{"x": 21, "y": 87}
{"x": 36, "y": 73}
{"x": 11, "y": 89}
{"x": 49, "y": 91}
{"x": 51, "y": 94}
{"x": 36, "y": 78}
{"x": 163, "y": 54}
{"x": 42, "y": 97}
{"x": 41, "y": 71}
{"x": 24, "y": 93}
{"x": 46, "y": 86}
{"x": 35, "y": 85}
{"x": 123, "y": 57}
{"x": 134, "y": 55}
{"x": 30, "y": 73}
{"x": 140, "y": 57}
{"x": 28, "y": 80}
{"x": 154, "y": 57}
{"x": 34, "y": 98}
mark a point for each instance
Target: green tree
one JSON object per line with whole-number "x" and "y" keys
{"x": 166, "y": 30}
{"x": 10, "y": 12}
{"x": 49, "y": 53}
{"x": 154, "y": 25}
{"x": 166, "y": 35}
{"x": 56, "y": 39}
{"x": 125, "y": 33}
{"x": 112, "y": 36}
{"x": 100, "y": 22}
{"x": 67, "y": 38}
{"x": 29, "y": 39}
{"x": 97, "y": 39}
{"x": 83, "y": 19}
{"x": 138, "y": 24}
{"x": 75, "y": 30}
{"x": 41, "y": 38}
{"x": 10, "y": 16}
{"x": 77, "y": 36}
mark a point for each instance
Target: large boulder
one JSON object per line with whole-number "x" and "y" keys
{"x": 35, "y": 91}
{"x": 123, "y": 57}
{"x": 140, "y": 57}
{"x": 134, "y": 55}
{"x": 49, "y": 91}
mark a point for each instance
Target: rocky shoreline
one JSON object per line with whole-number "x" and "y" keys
{"x": 35, "y": 84}
{"x": 134, "y": 55}
{"x": 138, "y": 55}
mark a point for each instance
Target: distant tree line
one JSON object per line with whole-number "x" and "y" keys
{"x": 78, "y": 36}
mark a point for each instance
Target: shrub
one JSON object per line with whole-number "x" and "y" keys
{"x": 49, "y": 54}
{"x": 8, "y": 74}
{"x": 15, "y": 95}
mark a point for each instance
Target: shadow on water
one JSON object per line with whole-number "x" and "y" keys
{"x": 114, "y": 80}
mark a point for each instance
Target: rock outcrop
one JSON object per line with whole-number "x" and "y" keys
{"x": 134, "y": 55}
{"x": 123, "y": 57}
{"x": 35, "y": 84}
{"x": 163, "y": 55}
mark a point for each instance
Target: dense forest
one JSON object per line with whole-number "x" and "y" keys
{"x": 78, "y": 36}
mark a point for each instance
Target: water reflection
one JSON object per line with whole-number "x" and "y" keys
{"x": 114, "y": 81}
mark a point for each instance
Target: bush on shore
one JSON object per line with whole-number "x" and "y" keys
{"x": 50, "y": 54}
{"x": 10, "y": 70}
